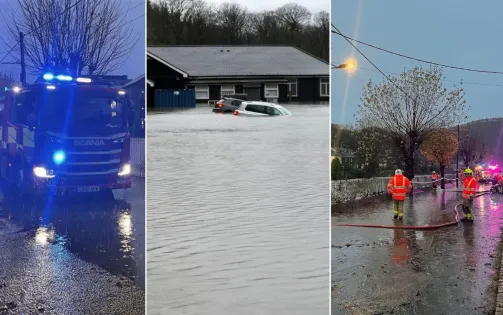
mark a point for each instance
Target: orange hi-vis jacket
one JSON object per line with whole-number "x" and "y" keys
{"x": 434, "y": 177}
{"x": 398, "y": 186}
{"x": 469, "y": 187}
{"x": 462, "y": 175}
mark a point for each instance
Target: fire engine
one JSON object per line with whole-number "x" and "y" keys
{"x": 64, "y": 135}
{"x": 485, "y": 174}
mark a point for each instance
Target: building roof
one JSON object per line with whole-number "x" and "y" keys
{"x": 139, "y": 78}
{"x": 221, "y": 61}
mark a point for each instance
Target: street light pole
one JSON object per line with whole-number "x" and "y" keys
{"x": 23, "y": 65}
{"x": 457, "y": 163}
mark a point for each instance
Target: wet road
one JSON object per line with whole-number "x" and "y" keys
{"x": 238, "y": 213}
{"x": 80, "y": 256}
{"x": 446, "y": 271}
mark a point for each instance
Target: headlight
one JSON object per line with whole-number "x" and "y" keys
{"x": 125, "y": 170}
{"x": 120, "y": 140}
{"x": 42, "y": 172}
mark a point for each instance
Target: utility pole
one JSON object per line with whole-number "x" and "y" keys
{"x": 457, "y": 163}
{"x": 23, "y": 65}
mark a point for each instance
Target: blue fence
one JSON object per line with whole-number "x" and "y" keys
{"x": 175, "y": 99}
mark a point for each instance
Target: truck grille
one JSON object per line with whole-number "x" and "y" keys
{"x": 85, "y": 161}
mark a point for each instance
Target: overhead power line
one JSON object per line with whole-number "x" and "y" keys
{"x": 337, "y": 32}
{"x": 444, "y": 80}
{"x": 373, "y": 64}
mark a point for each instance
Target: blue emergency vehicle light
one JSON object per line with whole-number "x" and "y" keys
{"x": 62, "y": 77}
{"x": 59, "y": 157}
{"x": 48, "y": 76}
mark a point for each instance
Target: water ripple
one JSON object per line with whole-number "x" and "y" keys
{"x": 238, "y": 213}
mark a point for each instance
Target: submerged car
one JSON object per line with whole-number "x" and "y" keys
{"x": 229, "y": 103}
{"x": 261, "y": 109}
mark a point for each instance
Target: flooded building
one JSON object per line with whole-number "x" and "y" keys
{"x": 268, "y": 73}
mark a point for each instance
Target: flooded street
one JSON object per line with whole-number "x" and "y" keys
{"x": 79, "y": 256}
{"x": 445, "y": 271}
{"x": 238, "y": 213}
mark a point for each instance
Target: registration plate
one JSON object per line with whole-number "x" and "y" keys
{"x": 88, "y": 189}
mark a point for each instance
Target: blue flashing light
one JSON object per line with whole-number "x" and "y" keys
{"x": 6, "y": 89}
{"x": 59, "y": 157}
{"x": 62, "y": 77}
{"x": 48, "y": 76}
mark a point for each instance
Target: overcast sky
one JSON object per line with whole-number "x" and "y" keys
{"x": 135, "y": 63}
{"x": 259, "y": 5}
{"x": 459, "y": 33}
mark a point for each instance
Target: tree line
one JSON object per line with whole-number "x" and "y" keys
{"x": 195, "y": 22}
{"x": 374, "y": 154}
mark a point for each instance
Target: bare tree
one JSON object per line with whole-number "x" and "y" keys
{"x": 410, "y": 107}
{"x": 293, "y": 16}
{"x": 322, "y": 27}
{"x": 265, "y": 25}
{"x": 6, "y": 80}
{"x": 91, "y": 37}
{"x": 232, "y": 19}
{"x": 470, "y": 150}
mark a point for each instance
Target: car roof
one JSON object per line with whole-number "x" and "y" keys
{"x": 263, "y": 104}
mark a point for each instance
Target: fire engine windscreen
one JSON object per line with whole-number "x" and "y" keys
{"x": 82, "y": 112}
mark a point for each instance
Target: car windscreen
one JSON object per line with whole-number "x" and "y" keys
{"x": 284, "y": 110}
{"x": 79, "y": 110}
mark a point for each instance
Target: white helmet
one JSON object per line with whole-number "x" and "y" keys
{"x": 398, "y": 172}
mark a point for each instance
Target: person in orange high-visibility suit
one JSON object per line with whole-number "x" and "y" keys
{"x": 398, "y": 187}
{"x": 469, "y": 189}
{"x": 434, "y": 178}
{"x": 499, "y": 182}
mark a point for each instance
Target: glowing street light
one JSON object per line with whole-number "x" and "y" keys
{"x": 349, "y": 65}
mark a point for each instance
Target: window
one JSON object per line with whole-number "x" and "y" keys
{"x": 256, "y": 109}
{"x": 271, "y": 91}
{"x": 78, "y": 109}
{"x": 227, "y": 90}
{"x": 24, "y": 111}
{"x": 292, "y": 88}
{"x": 273, "y": 111}
{"x": 324, "y": 88}
{"x": 202, "y": 92}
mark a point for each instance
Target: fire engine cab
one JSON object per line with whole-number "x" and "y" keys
{"x": 65, "y": 135}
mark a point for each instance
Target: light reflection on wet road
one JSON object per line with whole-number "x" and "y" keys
{"x": 446, "y": 271}
{"x": 238, "y": 213}
{"x": 104, "y": 238}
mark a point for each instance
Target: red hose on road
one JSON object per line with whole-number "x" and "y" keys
{"x": 411, "y": 227}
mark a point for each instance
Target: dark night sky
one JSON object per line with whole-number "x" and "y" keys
{"x": 134, "y": 65}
